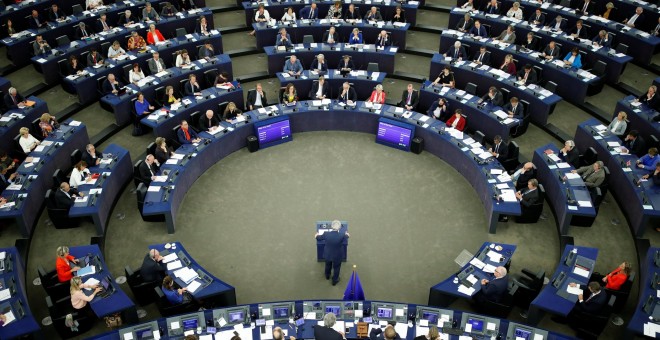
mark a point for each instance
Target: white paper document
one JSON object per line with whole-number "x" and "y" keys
{"x": 174, "y": 265}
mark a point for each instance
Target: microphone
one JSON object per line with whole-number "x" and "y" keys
{"x": 569, "y": 197}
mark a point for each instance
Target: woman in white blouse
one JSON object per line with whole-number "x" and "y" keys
{"x": 115, "y": 50}
{"x": 182, "y": 59}
{"x": 92, "y": 4}
{"x": 27, "y": 141}
{"x": 290, "y": 15}
{"x": 468, "y": 5}
{"x": 618, "y": 125}
{"x": 135, "y": 74}
{"x": 260, "y": 15}
{"x": 515, "y": 11}
{"x": 79, "y": 175}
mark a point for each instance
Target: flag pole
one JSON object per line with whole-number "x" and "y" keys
{"x": 354, "y": 280}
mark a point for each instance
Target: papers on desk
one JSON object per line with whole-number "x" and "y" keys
{"x": 7, "y": 205}
{"x": 502, "y": 186}
{"x": 172, "y": 161}
{"x": 81, "y": 199}
{"x": 9, "y": 316}
{"x": 585, "y": 204}
{"x": 489, "y": 269}
{"x": 153, "y": 188}
{"x": 5, "y": 294}
{"x": 501, "y": 114}
{"x": 508, "y": 121}
{"x": 170, "y": 257}
{"x": 494, "y": 256}
{"x": 465, "y": 290}
{"x": 650, "y": 329}
{"x": 95, "y": 190}
{"x": 193, "y": 286}
{"x": 564, "y": 165}
{"x": 174, "y": 265}
{"x": 504, "y": 177}
{"x": 161, "y": 73}
{"x": 39, "y": 148}
{"x": 91, "y": 282}
{"x": 574, "y": 290}
{"x": 86, "y": 271}
{"x": 570, "y": 175}
{"x": 580, "y": 271}
{"x": 185, "y": 274}
{"x": 509, "y": 195}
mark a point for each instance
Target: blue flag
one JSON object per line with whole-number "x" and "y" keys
{"x": 354, "y": 288}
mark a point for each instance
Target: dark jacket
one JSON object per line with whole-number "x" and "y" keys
{"x": 495, "y": 289}
{"x": 414, "y": 99}
{"x": 315, "y": 88}
{"x": 334, "y": 241}
{"x": 62, "y": 201}
{"x": 145, "y": 174}
{"x": 252, "y": 98}
{"x": 326, "y": 333}
{"x": 88, "y": 158}
{"x": 151, "y": 270}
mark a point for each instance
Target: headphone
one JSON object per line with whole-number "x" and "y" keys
{"x": 61, "y": 251}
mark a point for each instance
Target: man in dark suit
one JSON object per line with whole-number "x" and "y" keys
{"x": 66, "y": 196}
{"x": 596, "y": 300}
{"x": 586, "y": 7}
{"x": 256, "y": 99}
{"x": 153, "y": 268}
{"x": 326, "y": 332}
{"x": 527, "y": 75}
{"x": 538, "y": 18}
{"x": 111, "y": 85}
{"x": 192, "y": 87}
{"x": 637, "y": 19}
{"x": 347, "y": 94}
{"x": 384, "y": 334}
{"x": 352, "y": 13}
{"x": 531, "y": 43}
{"x": 494, "y": 97}
{"x": 482, "y": 57}
{"x": 82, "y": 31}
{"x": 55, "y": 13}
{"x": 40, "y": 46}
{"x": 383, "y": 39}
{"x": 551, "y": 51}
{"x": 465, "y": 24}
{"x": 559, "y": 24}
{"x": 635, "y": 143}
{"x": 409, "y": 98}
{"x": 208, "y": 121}
{"x": 530, "y": 196}
{"x": 309, "y": 12}
{"x": 94, "y": 58}
{"x": 568, "y": 154}
{"x": 283, "y": 39}
{"x": 13, "y": 98}
{"x": 346, "y": 64}
{"x": 499, "y": 150}
{"x": 206, "y": 51}
{"x": 456, "y": 52}
{"x": 127, "y": 19}
{"x": 332, "y": 252}
{"x": 319, "y": 89}
{"x": 495, "y": 289}
{"x": 492, "y": 7}
{"x": 186, "y": 135}
{"x": 514, "y": 108}
{"x": 478, "y": 30}
{"x": 91, "y": 156}
{"x": 36, "y": 21}
{"x": 148, "y": 169}
{"x": 330, "y": 36}
{"x": 579, "y": 31}
{"x": 373, "y": 15}
{"x": 102, "y": 25}
{"x": 439, "y": 110}
{"x": 522, "y": 175}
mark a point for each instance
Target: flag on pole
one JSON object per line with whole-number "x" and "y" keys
{"x": 354, "y": 287}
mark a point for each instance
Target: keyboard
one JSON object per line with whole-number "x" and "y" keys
{"x": 452, "y": 331}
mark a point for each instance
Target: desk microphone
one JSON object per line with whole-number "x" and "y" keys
{"x": 569, "y": 198}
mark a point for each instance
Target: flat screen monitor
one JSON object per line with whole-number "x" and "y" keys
{"x": 477, "y": 325}
{"x": 395, "y": 134}
{"x": 144, "y": 333}
{"x": 523, "y": 333}
{"x": 384, "y": 313}
{"x": 280, "y": 312}
{"x": 334, "y": 309}
{"x": 273, "y": 131}
{"x": 430, "y": 316}
{"x": 188, "y": 324}
{"x": 236, "y": 317}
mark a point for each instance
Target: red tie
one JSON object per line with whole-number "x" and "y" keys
{"x": 187, "y": 134}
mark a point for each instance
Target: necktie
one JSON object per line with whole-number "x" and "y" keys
{"x": 185, "y": 131}
{"x": 632, "y": 20}
{"x": 537, "y": 18}
{"x": 456, "y": 54}
{"x": 524, "y": 81}
{"x": 409, "y": 97}
{"x": 94, "y": 58}
{"x": 551, "y": 51}
{"x": 584, "y": 9}
{"x": 151, "y": 170}
{"x": 497, "y": 148}
{"x": 311, "y": 14}
{"x": 84, "y": 33}
{"x": 513, "y": 109}
{"x": 56, "y": 16}
{"x": 210, "y": 125}
{"x": 113, "y": 85}
{"x": 14, "y": 98}
{"x": 481, "y": 56}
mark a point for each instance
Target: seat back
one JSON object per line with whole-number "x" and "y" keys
{"x": 372, "y": 67}
{"x": 76, "y": 9}
{"x": 599, "y": 68}
{"x": 62, "y": 40}
{"x": 136, "y": 173}
{"x": 99, "y": 84}
{"x": 159, "y": 94}
{"x": 210, "y": 76}
{"x": 622, "y": 48}
{"x": 506, "y": 94}
{"x": 142, "y": 291}
{"x": 181, "y": 32}
{"x": 76, "y": 156}
{"x": 479, "y": 137}
{"x": 58, "y": 178}
{"x": 551, "y": 86}
{"x": 471, "y": 88}
{"x": 590, "y": 156}
{"x": 127, "y": 69}
{"x": 63, "y": 67}
{"x": 308, "y": 39}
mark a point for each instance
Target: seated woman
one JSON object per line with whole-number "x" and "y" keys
{"x": 223, "y": 79}
{"x": 619, "y": 124}
{"x": 573, "y": 59}
{"x": 615, "y": 279}
{"x": 433, "y": 333}
{"x": 608, "y": 10}
{"x": 290, "y": 15}
{"x": 508, "y": 65}
{"x": 79, "y": 175}
{"x": 515, "y": 11}
{"x": 399, "y": 15}
{"x": 182, "y": 59}
{"x": 169, "y": 98}
{"x": 377, "y": 95}
{"x": 335, "y": 11}
{"x": 79, "y": 300}
{"x": 356, "y": 37}
{"x": 446, "y": 78}
{"x": 47, "y": 124}
{"x": 649, "y": 161}
{"x": 163, "y": 152}
{"x": 457, "y": 121}
{"x": 175, "y": 296}
{"x": 74, "y": 66}
{"x": 231, "y": 112}
{"x": 65, "y": 264}
{"x": 142, "y": 106}
{"x": 135, "y": 74}
{"x": 10, "y": 28}
{"x": 27, "y": 141}
{"x": 289, "y": 95}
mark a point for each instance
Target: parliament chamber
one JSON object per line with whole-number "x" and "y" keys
{"x": 165, "y": 165}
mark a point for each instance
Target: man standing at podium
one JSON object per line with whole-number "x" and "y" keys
{"x": 332, "y": 252}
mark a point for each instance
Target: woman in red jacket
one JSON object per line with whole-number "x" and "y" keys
{"x": 378, "y": 95}
{"x": 616, "y": 278}
{"x": 154, "y": 36}
{"x": 456, "y": 121}
{"x": 63, "y": 264}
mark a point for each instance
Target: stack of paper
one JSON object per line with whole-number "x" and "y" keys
{"x": 174, "y": 265}
{"x": 185, "y": 274}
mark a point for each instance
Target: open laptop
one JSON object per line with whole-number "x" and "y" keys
{"x": 106, "y": 288}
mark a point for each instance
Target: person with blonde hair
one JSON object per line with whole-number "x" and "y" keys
{"x": 47, "y": 124}
{"x": 163, "y": 152}
{"x": 65, "y": 264}
{"x": 79, "y": 300}
{"x": 231, "y": 112}
{"x": 27, "y": 141}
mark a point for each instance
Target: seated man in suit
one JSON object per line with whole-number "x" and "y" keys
{"x": 330, "y": 36}
{"x": 538, "y": 18}
{"x": 13, "y": 99}
{"x": 634, "y": 144}
{"x": 102, "y": 25}
{"x": 579, "y": 31}
{"x": 347, "y": 94}
{"x": 192, "y": 87}
{"x": 206, "y": 51}
{"x": 256, "y": 99}
{"x": 127, "y": 19}
{"x": 208, "y": 121}
{"x": 586, "y": 7}
{"x": 493, "y": 290}
{"x": 531, "y": 43}
{"x": 187, "y": 135}
{"x": 478, "y": 30}
{"x": 465, "y": 24}
{"x": 156, "y": 64}
{"x": 592, "y": 175}
{"x": 373, "y": 15}
{"x": 522, "y": 175}
{"x": 482, "y": 57}
{"x": 40, "y": 46}
{"x": 492, "y": 7}
{"x": 283, "y": 39}
{"x": 507, "y": 36}
{"x": 326, "y": 332}
{"x": 456, "y": 52}
{"x": 319, "y": 89}
{"x": 530, "y": 196}
{"x": 558, "y": 24}
{"x": 91, "y": 156}
{"x": 439, "y": 110}
{"x": 293, "y": 66}
{"x": 500, "y": 150}
{"x": 514, "y": 109}
{"x": 591, "y": 304}
{"x": 527, "y": 75}
{"x": 409, "y": 98}
{"x": 636, "y": 20}
{"x": 309, "y": 12}
{"x": 319, "y": 64}
{"x": 346, "y": 64}
{"x": 352, "y": 13}
{"x": 493, "y": 97}
{"x": 602, "y": 39}
{"x": 55, "y": 13}
{"x": 83, "y": 32}
{"x": 384, "y": 334}
{"x": 94, "y": 57}
{"x": 148, "y": 169}
{"x": 168, "y": 10}
{"x": 568, "y": 154}
{"x": 650, "y": 98}
{"x": 111, "y": 85}
{"x": 36, "y": 21}
{"x": 153, "y": 268}
{"x": 149, "y": 13}
{"x": 66, "y": 196}
{"x": 551, "y": 51}
{"x": 383, "y": 40}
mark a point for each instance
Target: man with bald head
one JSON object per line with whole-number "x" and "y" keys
{"x": 153, "y": 268}
{"x": 384, "y": 334}
{"x": 208, "y": 122}
{"x": 493, "y": 289}
{"x": 524, "y": 173}
{"x": 66, "y": 196}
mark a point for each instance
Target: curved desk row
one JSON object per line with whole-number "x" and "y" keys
{"x": 13, "y": 120}
{"x": 554, "y": 298}
{"x": 478, "y": 118}
{"x": 186, "y": 272}
{"x": 115, "y": 171}
{"x": 640, "y": 117}
{"x": 616, "y": 63}
{"x": 86, "y": 87}
{"x": 267, "y": 34}
{"x": 542, "y": 102}
{"x": 24, "y": 200}
{"x": 569, "y": 197}
{"x": 22, "y": 9}
{"x": 12, "y": 278}
{"x": 642, "y": 46}
{"x": 363, "y": 82}
{"x": 48, "y": 66}
{"x": 467, "y": 282}
{"x": 194, "y": 160}
{"x": 639, "y": 200}
{"x": 277, "y": 9}
{"x": 163, "y": 120}
{"x": 647, "y": 306}
{"x": 333, "y": 53}
{"x": 122, "y": 106}
{"x": 5, "y": 84}
{"x": 252, "y": 323}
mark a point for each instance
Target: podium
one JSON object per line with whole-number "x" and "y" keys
{"x": 325, "y": 226}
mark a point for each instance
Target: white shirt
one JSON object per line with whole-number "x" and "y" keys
{"x": 266, "y": 15}
{"x": 180, "y": 61}
{"x": 319, "y": 92}
{"x": 26, "y": 143}
{"x": 134, "y": 77}
{"x": 632, "y": 19}
{"x": 518, "y": 14}
{"x": 257, "y": 102}
{"x": 112, "y": 52}
{"x": 287, "y": 17}
{"x": 94, "y": 3}
{"x": 614, "y": 127}
{"x": 453, "y": 124}
{"x": 77, "y": 177}
{"x": 571, "y": 59}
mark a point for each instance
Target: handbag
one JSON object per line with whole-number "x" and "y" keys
{"x": 113, "y": 320}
